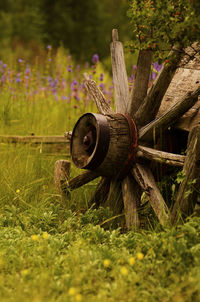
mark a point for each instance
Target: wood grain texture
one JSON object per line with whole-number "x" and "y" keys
{"x": 151, "y": 104}
{"x": 187, "y": 193}
{"x": 131, "y": 196}
{"x": 120, "y": 79}
{"x": 161, "y": 156}
{"x": 61, "y": 177}
{"x": 100, "y": 195}
{"x": 145, "y": 179}
{"x": 96, "y": 94}
{"x": 141, "y": 81}
{"x": 81, "y": 180}
{"x": 171, "y": 116}
{"x": 56, "y": 139}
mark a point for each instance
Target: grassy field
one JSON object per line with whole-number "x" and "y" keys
{"x": 50, "y": 251}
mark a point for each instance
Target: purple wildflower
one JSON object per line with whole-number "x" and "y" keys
{"x": 69, "y": 68}
{"x": 63, "y": 97}
{"x": 74, "y": 85}
{"x": 49, "y": 47}
{"x": 95, "y": 58}
{"x": 20, "y": 60}
{"x": 101, "y": 77}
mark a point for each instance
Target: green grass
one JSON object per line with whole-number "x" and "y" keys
{"x": 50, "y": 251}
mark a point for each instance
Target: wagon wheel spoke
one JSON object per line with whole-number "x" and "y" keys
{"x": 169, "y": 117}
{"x": 145, "y": 179}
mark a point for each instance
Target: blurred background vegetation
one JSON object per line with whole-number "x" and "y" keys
{"x": 81, "y": 27}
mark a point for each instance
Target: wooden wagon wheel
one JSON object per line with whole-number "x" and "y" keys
{"x": 116, "y": 144}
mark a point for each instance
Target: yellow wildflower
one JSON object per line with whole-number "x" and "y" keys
{"x": 72, "y": 291}
{"x": 106, "y": 263}
{"x": 45, "y": 235}
{"x": 140, "y": 256}
{"x": 24, "y": 272}
{"x": 34, "y": 237}
{"x": 131, "y": 261}
{"x": 78, "y": 298}
{"x": 124, "y": 271}
{"x": 18, "y": 191}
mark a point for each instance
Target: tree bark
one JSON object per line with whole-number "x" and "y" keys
{"x": 190, "y": 186}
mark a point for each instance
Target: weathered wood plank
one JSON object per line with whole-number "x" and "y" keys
{"x": 81, "y": 180}
{"x": 171, "y": 116}
{"x": 33, "y": 139}
{"x": 61, "y": 177}
{"x": 129, "y": 187}
{"x": 101, "y": 193}
{"x": 161, "y": 156}
{"x": 120, "y": 79}
{"x": 184, "y": 80}
{"x": 131, "y": 196}
{"x": 188, "y": 191}
{"x": 145, "y": 179}
{"x": 151, "y": 104}
{"x": 141, "y": 81}
{"x": 96, "y": 94}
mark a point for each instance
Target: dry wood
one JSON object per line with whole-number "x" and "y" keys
{"x": 114, "y": 200}
{"x": 151, "y": 104}
{"x": 101, "y": 193}
{"x": 61, "y": 177}
{"x": 131, "y": 197}
{"x": 169, "y": 117}
{"x": 81, "y": 180}
{"x": 145, "y": 179}
{"x": 161, "y": 156}
{"x": 96, "y": 94}
{"x": 120, "y": 79}
{"x": 187, "y": 194}
{"x": 141, "y": 81}
{"x": 33, "y": 139}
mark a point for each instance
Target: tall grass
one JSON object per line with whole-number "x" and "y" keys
{"x": 50, "y": 251}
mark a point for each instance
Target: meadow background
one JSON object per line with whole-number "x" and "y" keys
{"x": 50, "y": 251}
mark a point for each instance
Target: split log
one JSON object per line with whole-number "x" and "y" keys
{"x": 146, "y": 180}
{"x": 161, "y": 156}
{"x": 120, "y": 79}
{"x": 141, "y": 81}
{"x": 151, "y": 104}
{"x": 81, "y": 180}
{"x": 101, "y": 193}
{"x": 131, "y": 196}
{"x": 61, "y": 177}
{"x": 96, "y": 94}
{"x": 170, "y": 117}
{"x": 190, "y": 186}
